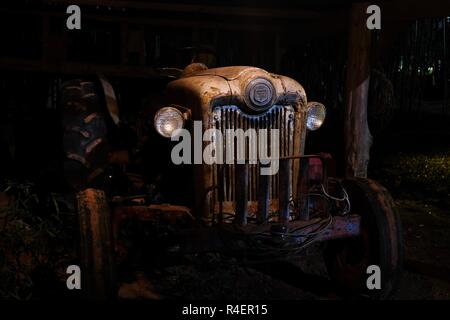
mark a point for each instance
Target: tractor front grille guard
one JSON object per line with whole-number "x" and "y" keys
{"x": 295, "y": 225}
{"x": 312, "y": 183}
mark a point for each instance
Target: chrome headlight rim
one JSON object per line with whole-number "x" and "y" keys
{"x": 315, "y": 115}
{"x": 161, "y": 113}
{"x": 254, "y": 100}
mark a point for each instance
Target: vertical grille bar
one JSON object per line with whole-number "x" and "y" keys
{"x": 242, "y": 190}
{"x": 263, "y": 198}
{"x": 284, "y": 187}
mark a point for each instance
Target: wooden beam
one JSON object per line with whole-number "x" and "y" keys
{"x": 171, "y": 22}
{"x": 192, "y": 8}
{"x": 358, "y": 139}
{"x": 391, "y": 9}
{"x": 78, "y": 68}
{"x": 332, "y": 23}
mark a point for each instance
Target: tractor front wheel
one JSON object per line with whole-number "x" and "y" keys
{"x": 380, "y": 244}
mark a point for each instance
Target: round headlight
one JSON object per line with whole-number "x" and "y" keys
{"x": 260, "y": 94}
{"x": 167, "y": 120}
{"x": 315, "y": 115}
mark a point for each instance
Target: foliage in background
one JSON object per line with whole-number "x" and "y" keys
{"x": 36, "y": 234}
{"x": 417, "y": 176}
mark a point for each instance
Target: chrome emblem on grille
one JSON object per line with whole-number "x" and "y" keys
{"x": 260, "y": 94}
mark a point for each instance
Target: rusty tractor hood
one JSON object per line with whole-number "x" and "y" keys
{"x": 201, "y": 91}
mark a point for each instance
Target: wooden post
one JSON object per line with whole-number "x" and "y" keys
{"x": 358, "y": 139}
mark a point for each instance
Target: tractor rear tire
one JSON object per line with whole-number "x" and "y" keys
{"x": 85, "y": 135}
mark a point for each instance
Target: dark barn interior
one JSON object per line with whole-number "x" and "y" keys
{"x": 386, "y": 94}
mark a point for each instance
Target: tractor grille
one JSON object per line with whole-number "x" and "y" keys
{"x": 231, "y": 117}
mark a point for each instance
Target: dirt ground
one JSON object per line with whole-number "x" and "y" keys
{"x": 426, "y": 232}
{"x": 427, "y": 275}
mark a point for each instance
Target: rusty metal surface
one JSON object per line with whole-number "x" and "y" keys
{"x": 230, "y": 83}
{"x": 154, "y": 212}
{"x": 96, "y": 243}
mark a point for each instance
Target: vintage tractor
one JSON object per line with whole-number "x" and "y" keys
{"x": 225, "y": 206}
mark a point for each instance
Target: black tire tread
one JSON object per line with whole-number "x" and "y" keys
{"x": 384, "y": 224}
{"x": 84, "y": 126}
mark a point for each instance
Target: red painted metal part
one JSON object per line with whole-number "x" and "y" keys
{"x": 342, "y": 227}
